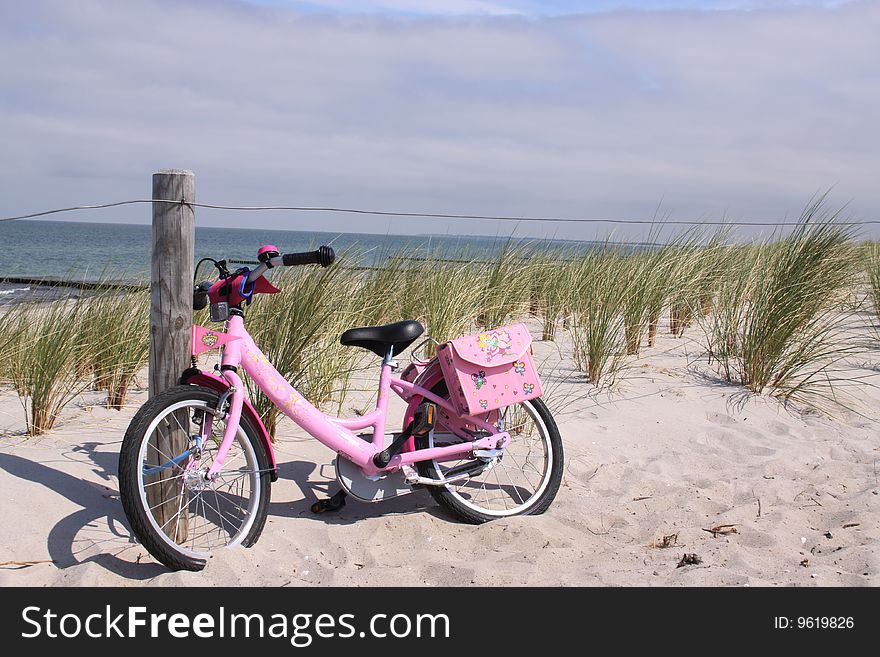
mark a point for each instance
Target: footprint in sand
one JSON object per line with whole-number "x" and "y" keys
{"x": 777, "y": 428}
{"x": 738, "y": 442}
{"x": 753, "y": 538}
{"x": 437, "y": 574}
{"x": 721, "y": 419}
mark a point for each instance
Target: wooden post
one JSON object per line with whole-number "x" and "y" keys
{"x": 170, "y": 332}
{"x": 172, "y": 278}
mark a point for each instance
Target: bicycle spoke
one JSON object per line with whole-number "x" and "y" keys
{"x": 171, "y": 519}
{"x": 194, "y": 532}
{"x": 165, "y": 480}
{"x": 521, "y": 468}
{"x": 515, "y": 488}
{"x": 499, "y": 486}
{"x": 182, "y": 428}
{"x": 206, "y": 507}
{"x": 168, "y": 459}
{"x": 176, "y": 536}
{"x": 219, "y": 512}
{"x": 222, "y": 479}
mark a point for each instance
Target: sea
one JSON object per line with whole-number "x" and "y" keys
{"x": 37, "y": 250}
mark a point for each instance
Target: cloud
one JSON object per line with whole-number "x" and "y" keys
{"x": 421, "y": 7}
{"x": 535, "y": 7}
{"x": 606, "y": 115}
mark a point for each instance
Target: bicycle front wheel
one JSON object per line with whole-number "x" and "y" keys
{"x": 178, "y": 515}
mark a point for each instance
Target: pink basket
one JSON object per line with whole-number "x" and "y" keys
{"x": 490, "y": 370}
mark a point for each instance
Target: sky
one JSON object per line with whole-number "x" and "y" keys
{"x": 724, "y": 109}
{"x": 532, "y": 7}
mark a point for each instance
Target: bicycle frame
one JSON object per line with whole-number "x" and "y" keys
{"x": 338, "y": 434}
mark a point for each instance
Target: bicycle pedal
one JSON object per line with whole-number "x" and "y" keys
{"x": 424, "y": 419}
{"x": 330, "y": 504}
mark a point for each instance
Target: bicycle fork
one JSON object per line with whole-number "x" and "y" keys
{"x": 235, "y": 395}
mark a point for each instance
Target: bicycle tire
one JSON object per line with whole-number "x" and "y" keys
{"x": 133, "y": 472}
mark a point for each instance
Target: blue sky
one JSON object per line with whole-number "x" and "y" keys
{"x": 744, "y": 113}
{"x": 533, "y": 7}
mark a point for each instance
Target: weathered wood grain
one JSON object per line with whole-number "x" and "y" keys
{"x": 171, "y": 283}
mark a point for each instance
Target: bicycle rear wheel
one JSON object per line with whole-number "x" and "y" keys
{"x": 179, "y": 516}
{"x": 524, "y": 480}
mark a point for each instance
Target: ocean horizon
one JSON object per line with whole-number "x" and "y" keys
{"x": 90, "y": 251}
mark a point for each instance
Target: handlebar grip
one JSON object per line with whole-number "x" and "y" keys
{"x": 324, "y": 256}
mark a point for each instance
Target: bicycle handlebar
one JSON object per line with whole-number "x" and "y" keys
{"x": 324, "y": 256}
{"x": 269, "y": 258}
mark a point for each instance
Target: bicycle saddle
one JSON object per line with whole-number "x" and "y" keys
{"x": 378, "y": 339}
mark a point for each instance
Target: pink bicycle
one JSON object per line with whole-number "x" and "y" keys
{"x": 196, "y": 464}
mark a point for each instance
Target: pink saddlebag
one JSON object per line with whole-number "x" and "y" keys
{"x": 490, "y": 370}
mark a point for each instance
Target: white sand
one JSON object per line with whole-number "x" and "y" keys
{"x": 671, "y": 451}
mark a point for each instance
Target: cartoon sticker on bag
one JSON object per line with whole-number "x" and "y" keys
{"x": 495, "y": 343}
{"x": 479, "y": 378}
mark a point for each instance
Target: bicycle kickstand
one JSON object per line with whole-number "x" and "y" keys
{"x": 333, "y": 503}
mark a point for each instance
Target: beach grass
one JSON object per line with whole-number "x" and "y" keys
{"x": 503, "y": 285}
{"x": 446, "y": 297}
{"x": 115, "y": 339}
{"x": 778, "y": 324}
{"x": 871, "y": 263}
{"x": 41, "y": 364}
{"x": 551, "y": 278}
{"x": 772, "y": 314}
{"x": 597, "y": 304}
{"x": 793, "y": 325}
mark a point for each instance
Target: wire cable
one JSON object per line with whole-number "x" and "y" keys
{"x": 434, "y": 215}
